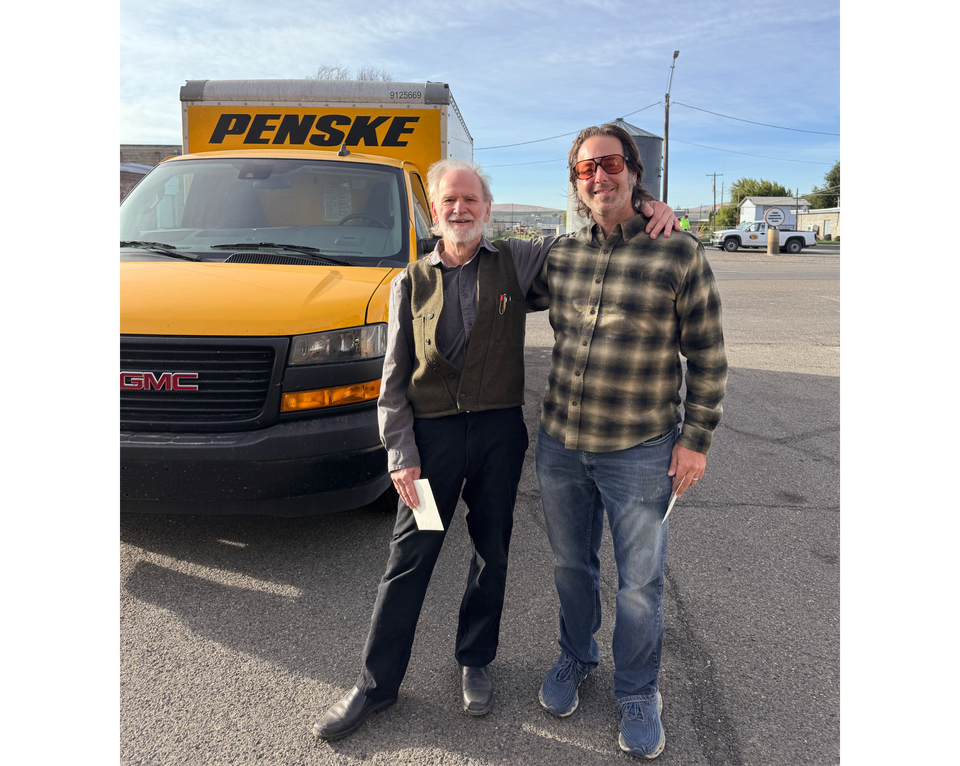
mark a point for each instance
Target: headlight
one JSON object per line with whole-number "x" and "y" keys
{"x": 340, "y": 345}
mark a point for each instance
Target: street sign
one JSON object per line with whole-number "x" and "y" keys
{"x": 774, "y": 216}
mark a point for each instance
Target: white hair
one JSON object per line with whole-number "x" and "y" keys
{"x": 440, "y": 168}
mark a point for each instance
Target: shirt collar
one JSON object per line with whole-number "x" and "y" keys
{"x": 631, "y": 227}
{"x": 634, "y": 226}
{"x": 434, "y": 258}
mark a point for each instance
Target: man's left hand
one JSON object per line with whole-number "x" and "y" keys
{"x": 686, "y": 468}
{"x": 661, "y": 218}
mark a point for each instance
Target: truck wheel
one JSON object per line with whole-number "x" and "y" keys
{"x": 730, "y": 245}
{"x": 794, "y": 246}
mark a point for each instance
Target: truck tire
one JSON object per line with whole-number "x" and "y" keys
{"x": 730, "y": 244}
{"x": 794, "y": 246}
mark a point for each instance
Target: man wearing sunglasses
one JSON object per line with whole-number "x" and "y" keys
{"x": 623, "y": 307}
{"x": 450, "y": 411}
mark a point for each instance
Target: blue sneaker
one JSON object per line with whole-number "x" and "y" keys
{"x": 558, "y": 692}
{"x": 641, "y": 732}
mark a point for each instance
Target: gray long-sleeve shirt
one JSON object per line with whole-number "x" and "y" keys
{"x": 455, "y": 323}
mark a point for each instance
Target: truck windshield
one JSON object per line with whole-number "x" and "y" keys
{"x": 352, "y": 212}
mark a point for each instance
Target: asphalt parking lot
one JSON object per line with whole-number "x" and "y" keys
{"x": 236, "y": 633}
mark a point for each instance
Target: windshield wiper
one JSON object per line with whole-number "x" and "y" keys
{"x": 310, "y": 252}
{"x": 159, "y": 247}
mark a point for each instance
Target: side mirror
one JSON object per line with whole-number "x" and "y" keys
{"x": 426, "y": 246}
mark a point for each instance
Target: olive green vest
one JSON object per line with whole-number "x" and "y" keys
{"x": 492, "y": 375}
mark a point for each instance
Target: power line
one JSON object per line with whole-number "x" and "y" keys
{"x": 517, "y": 164}
{"x": 660, "y": 103}
{"x": 524, "y": 143}
{"x": 571, "y": 133}
{"x": 656, "y": 103}
{"x": 740, "y": 119}
{"x": 746, "y": 154}
{"x": 712, "y": 148}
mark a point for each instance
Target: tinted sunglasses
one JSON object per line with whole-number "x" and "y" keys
{"x": 611, "y": 163}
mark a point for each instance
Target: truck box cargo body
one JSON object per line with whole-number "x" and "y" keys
{"x": 255, "y": 272}
{"x": 418, "y": 122}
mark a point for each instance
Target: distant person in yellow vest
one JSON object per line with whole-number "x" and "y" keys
{"x": 684, "y": 223}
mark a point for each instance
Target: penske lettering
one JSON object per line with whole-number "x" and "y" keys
{"x": 164, "y": 381}
{"x": 318, "y": 130}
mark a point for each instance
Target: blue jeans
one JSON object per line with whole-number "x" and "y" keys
{"x": 633, "y": 486}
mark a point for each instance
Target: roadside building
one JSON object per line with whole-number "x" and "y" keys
{"x": 754, "y": 208}
{"x": 138, "y": 159}
{"x": 130, "y": 175}
{"x": 826, "y": 221}
{"x": 509, "y": 219}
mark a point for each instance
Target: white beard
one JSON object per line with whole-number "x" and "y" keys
{"x": 461, "y": 234}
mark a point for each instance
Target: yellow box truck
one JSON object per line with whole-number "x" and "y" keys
{"x": 254, "y": 283}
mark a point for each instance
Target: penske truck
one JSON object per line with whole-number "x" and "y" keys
{"x": 254, "y": 285}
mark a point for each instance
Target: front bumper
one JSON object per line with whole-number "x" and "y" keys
{"x": 297, "y": 468}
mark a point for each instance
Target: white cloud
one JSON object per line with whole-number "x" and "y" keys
{"x": 518, "y": 69}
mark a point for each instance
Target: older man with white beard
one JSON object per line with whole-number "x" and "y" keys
{"x": 450, "y": 411}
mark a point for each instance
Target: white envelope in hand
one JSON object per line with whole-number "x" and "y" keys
{"x": 426, "y": 514}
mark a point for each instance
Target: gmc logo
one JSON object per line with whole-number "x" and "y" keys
{"x": 165, "y": 381}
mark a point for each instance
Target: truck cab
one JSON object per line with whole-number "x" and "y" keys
{"x": 254, "y": 290}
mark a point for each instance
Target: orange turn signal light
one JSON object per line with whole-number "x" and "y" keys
{"x": 330, "y": 397}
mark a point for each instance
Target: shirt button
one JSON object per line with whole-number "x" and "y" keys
{"x": 430, "y": 316}
{"x": 573, "y": 404}
{"x": 428, "y": 341}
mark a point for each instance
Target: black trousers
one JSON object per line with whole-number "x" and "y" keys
{"x": 482, "y": 454}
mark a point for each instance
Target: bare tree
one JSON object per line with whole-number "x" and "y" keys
{"x": 374, "y": 73}
{"x": 339, "y": 72}
{"x": 330, "y": 72}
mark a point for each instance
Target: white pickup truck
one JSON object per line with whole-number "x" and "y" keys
{"x": 754, "y": 234}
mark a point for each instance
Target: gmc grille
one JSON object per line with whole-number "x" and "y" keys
{"x": 233, "y": 380}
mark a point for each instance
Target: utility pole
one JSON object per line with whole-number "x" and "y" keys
{"x": 666, "y": 126}
{"x": 714, "y": 175}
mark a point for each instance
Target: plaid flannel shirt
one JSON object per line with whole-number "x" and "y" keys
{"x": 623, "y": 310}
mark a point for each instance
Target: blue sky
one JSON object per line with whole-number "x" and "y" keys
{"x": 522, "y": 71}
